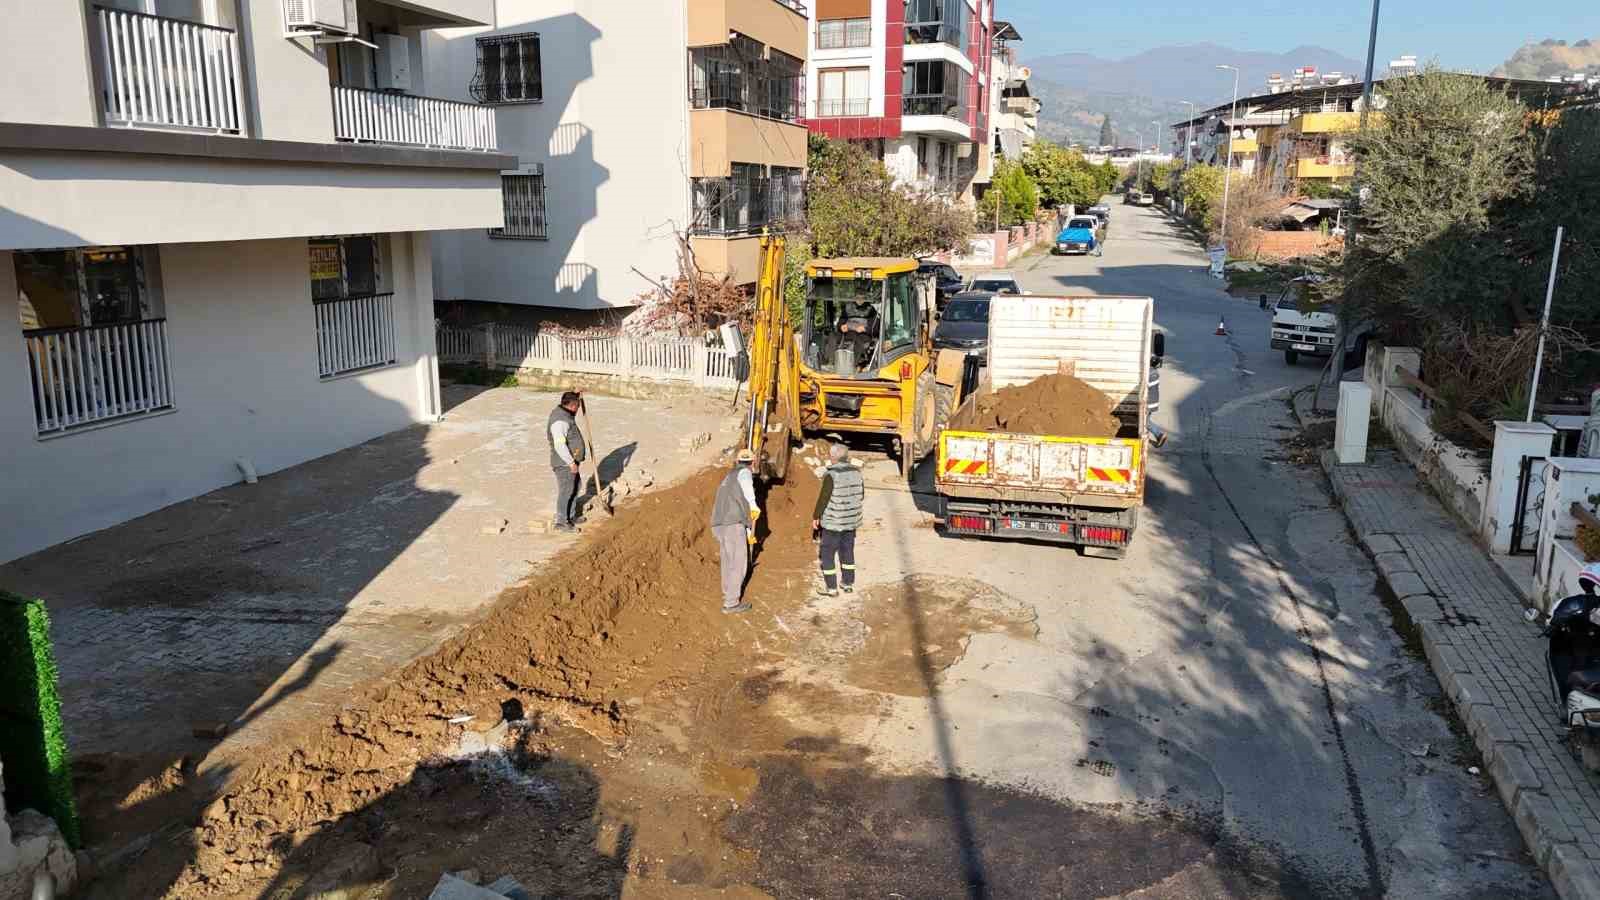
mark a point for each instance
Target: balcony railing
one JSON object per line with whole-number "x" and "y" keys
{"x": 383, "y": 118}
{"x": 354, "y": 333}
{"x": 168, "y": 72}
{"x": 855, "y": 106}
{"x": 733, "y": 76}
{"x": 795, "y": 5}
{"x": 742, "y": 204}
{"x": 81, "y": 376}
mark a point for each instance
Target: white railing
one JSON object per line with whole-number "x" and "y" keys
{"x": 168, "y": 72}
{"x": 378, "y": 117}
{"x": 354, "y": 333}
{"x": 666, "y": 359}
{"x": 85, "y": 375}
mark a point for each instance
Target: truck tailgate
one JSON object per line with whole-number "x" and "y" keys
{"x": 1109, "y": 466}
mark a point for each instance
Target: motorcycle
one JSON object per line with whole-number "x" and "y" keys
{"x": 1573, "y": 661}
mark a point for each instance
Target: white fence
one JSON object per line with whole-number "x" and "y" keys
{"x": 375, "y": 116}
{"x": 160, "y": 71}
{"x": 355, "y": 333}
{"x": 667, "y": 359}
{"x": 85, "y": 375}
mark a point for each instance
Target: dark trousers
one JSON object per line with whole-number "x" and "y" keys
{"x": 837, "y": 554}
{"x": 566, "y": 495}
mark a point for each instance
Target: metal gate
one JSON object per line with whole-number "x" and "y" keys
{"x": 1530, "y": 486}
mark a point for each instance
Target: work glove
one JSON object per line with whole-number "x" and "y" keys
{"x": 750, "y": 536}
{"x": 755, "y": 513}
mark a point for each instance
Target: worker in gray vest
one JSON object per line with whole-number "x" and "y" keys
{"x": 566, "y": 453}
{"x": 836, "y": 518}
{"x": 733, "y": 520}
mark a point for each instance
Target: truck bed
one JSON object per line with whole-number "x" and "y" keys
{"x": 1065, "y": 487}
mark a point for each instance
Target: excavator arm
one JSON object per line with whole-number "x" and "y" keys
{"x": 773, "y": 420}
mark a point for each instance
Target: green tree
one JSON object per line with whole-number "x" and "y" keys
{"x": 1015, "y": 194}
{"x": 1201, "y": 189}
{"x": 1108, "y": 175}
{"x": 1447, "y": 150}
{"x": 1062, "y": 175}
{"x": 1107, "y": 136}
{"x": 853, "y": 208}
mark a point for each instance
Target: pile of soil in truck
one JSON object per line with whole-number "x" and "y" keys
{"x": 1057, "y": 404}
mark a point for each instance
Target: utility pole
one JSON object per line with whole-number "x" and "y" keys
{"x": 1227, "y": 173}
{"x": 1188, "y": 134}
{"x": 1337, "y": 357}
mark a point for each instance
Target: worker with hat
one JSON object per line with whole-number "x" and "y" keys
{"x": 733, "y": 520}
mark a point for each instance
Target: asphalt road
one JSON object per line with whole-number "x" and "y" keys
{"x": 1236, "y": 676}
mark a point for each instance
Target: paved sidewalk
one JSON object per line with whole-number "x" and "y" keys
{"x": 257, "y": 606}
{"x": 1489, "y": 660}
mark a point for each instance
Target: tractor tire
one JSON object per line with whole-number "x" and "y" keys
{"x": 924, "y": 417}
{"x": 944, "y": 408}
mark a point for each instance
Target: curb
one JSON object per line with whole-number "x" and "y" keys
{"x": 1549, "y": 837}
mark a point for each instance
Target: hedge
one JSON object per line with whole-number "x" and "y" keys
{"x": 33, "y": 742}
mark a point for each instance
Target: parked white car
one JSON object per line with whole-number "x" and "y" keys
{"x": 1298, "y": 330}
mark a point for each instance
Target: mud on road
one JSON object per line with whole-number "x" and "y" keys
{"x": 624, "y": 735}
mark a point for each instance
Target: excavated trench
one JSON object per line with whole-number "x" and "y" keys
{"x": 628, "y": 607}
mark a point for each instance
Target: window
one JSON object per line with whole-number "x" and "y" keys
{"x": 342, "y": 267}
{"x": 844, "y": 92}
{"x": 93, "y": 335}
{"x": 900, "y": 324}
{"x": 837, "y": 34}
{"x": 354, "y": 320}
{"x": 508, "y": 70}
{"x": 933, "y": 21}
{"x": 522, "y": 195}
{"x": 935, "y": 88}
{"x": 745, "y": 76}
{"x": 748, "y": 200}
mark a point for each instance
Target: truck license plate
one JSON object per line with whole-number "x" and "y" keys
{"x": 1306, "y": 347}
{"x": 1025, "y": 525}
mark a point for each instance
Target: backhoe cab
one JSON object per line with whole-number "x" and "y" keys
{"x": 867, "y": 362}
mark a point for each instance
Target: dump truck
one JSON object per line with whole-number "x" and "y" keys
{"x": 1064, "y": 488}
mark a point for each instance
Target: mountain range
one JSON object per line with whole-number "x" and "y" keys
{"x": 1077, "y": 89}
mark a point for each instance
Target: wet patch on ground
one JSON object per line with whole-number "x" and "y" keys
{"x": 906, "y": 633}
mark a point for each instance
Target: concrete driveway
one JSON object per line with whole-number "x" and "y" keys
{"x": 257, "y": 606}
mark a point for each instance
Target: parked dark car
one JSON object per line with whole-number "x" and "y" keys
{"x": 947, "y": 282}
{"x": 964, "y": 325}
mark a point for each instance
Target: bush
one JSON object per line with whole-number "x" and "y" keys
{"x": 34, "y": 742}
{"x": 853, "y": 208}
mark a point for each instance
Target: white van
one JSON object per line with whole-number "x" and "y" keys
{"x": 1311, "y": 332}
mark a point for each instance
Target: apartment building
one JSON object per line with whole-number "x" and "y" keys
{"x": 912, "y": 78}
{"x": 216, "y": 243}
{"x": 631, "y": 124}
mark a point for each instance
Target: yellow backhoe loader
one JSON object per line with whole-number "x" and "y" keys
{"x": 859, "y": 359}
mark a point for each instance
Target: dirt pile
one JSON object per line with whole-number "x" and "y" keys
{"x": 1051, "y": 404}
{"x": 633, "y": 604}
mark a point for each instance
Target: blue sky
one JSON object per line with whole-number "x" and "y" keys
{"x": 1459, "y": 34}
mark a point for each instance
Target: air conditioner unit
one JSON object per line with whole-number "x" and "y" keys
{"x": 335, "y": 16}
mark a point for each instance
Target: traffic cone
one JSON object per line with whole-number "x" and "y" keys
{"x": 1222, "y": 327}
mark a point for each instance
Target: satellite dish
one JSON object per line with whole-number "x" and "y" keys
{"x": 1379, "y": 101}
{"x": 1024, "y": 73}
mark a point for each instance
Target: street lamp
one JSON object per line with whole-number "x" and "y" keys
{"x": 1227, "y": 173}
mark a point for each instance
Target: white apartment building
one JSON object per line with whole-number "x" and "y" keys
{"x": 631, "y": 122}
{"x": 1014, "y": 111}
{"x": 216, "y": 225}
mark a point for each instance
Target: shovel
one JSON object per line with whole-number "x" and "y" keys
{"x": 590, "y": 467}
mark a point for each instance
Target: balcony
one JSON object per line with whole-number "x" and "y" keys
{"x": 779, "y": 24}
{"x": 364, "y": 116}
{"x": 1243, "y": 145}
{"x": 1328, "y": 122}
{"x": 853, "y": 106}
{"x": 1322, "y": 167}
{"x": 157, "y": 72}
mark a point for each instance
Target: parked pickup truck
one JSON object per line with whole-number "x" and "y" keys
{"x": 1301, "y": 329}
{"x": 1084, "y": 491}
